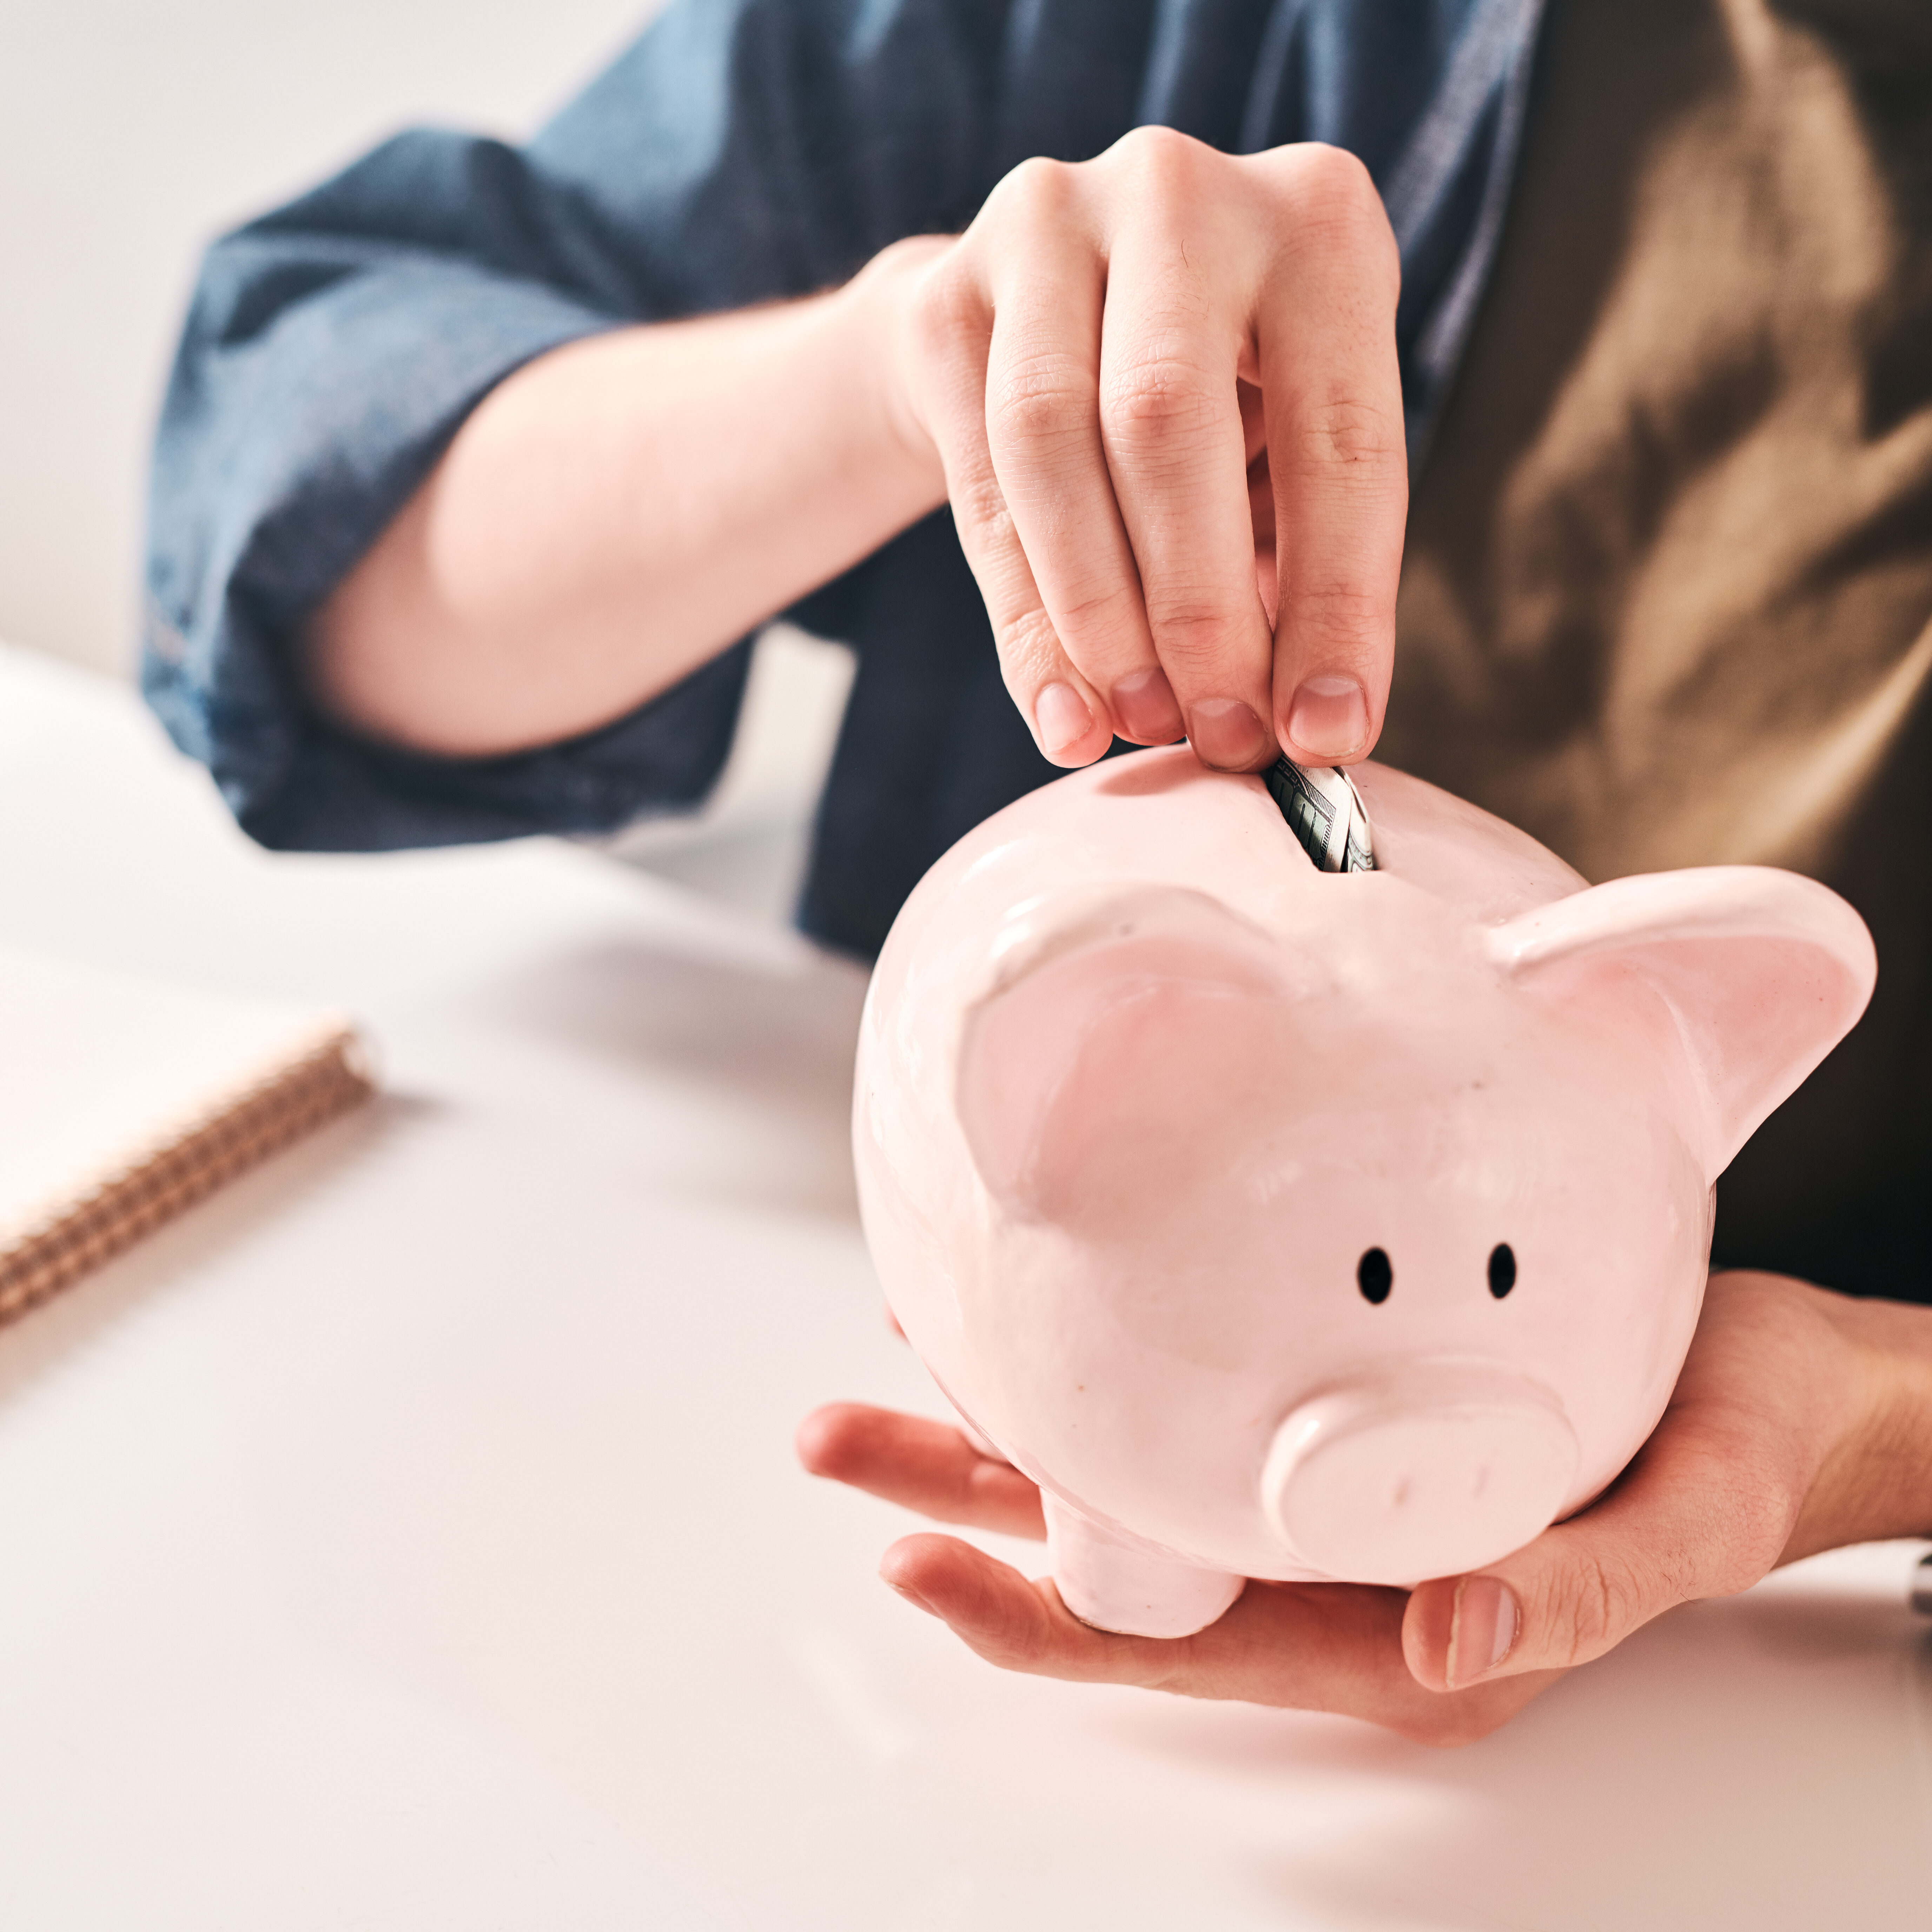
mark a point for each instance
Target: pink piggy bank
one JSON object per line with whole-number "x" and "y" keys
{"x": 1304, "y": 1225}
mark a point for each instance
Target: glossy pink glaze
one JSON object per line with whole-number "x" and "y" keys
{"x": 1138, "y": 1087}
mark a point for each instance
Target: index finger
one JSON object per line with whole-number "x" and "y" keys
{"x": 924, "y": 1465}
{"x": 1335, "y": 1647}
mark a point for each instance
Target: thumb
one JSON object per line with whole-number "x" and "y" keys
{"x": 1684, "y": 1524}
{"x": 1338, "y": 469}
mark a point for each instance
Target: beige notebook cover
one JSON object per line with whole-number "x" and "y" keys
{"x": 121, "y": 1103}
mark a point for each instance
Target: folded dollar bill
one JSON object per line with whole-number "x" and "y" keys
{"x": 1324, "y": 810}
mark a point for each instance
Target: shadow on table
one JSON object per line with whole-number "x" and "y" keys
{"x": 759, "y": 1048}
{"x": 1765, "y": 1762}
{"x": 47, "y": 1336}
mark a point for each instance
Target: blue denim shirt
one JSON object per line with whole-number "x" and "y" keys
{"x": 740, "y": 151}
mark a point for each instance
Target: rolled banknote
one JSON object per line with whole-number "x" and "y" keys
{"x": 1324, "y": 810}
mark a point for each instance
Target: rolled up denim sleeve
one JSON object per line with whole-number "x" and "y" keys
{"x": 741, "y": 150}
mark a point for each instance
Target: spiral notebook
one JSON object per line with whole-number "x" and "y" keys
{"x": 122, "y": 1102}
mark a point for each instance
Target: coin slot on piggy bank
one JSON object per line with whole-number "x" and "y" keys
{"x": 1295, "y": 1223}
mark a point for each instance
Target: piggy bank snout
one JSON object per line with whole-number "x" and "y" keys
{"x": 1426, "y": 1473}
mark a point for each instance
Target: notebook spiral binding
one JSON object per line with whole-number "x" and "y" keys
{"x": 78, "y": 1235}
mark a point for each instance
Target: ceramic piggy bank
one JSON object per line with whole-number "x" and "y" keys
{"x": 1287, "y": 1223}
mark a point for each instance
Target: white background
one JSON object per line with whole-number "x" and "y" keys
{"x": 130, "y": 134}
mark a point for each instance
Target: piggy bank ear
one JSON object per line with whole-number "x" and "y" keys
{"x": 1100, "y": 1071}
{"x": 1762, "y": 971}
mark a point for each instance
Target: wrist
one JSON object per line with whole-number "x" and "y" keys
{"x": 878, "y": 308}
{"x": 1898, "y": 1337}
{"x": 1877, "y": 1483}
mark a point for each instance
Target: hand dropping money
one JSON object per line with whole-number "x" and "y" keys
{"x": 1324, "y": 810}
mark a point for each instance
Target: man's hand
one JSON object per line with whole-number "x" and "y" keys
{"x": 1802, "y": 1421}
{"x": 1161, "y": 383}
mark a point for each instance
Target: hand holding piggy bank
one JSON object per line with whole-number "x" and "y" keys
{"x": 1304, "y": 1225}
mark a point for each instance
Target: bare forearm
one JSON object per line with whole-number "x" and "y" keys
{"x": 619, "y": 511}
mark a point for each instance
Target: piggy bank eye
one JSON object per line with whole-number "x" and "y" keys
{"x": 1502, "y": 1270}
{"x": 1375, "y": 1276}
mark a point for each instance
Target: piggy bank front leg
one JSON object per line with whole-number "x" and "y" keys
{"x": 1117, "y": 1583}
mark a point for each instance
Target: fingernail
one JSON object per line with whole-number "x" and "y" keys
{"x": 1329, "y": 719}
{"x": 912, "y": 1597}
{"x": 1482, "y": 1631}
{"x": 1063, "y": 717}
{"x": 1143, "y": 704}
{"x": 1226, "y": 734}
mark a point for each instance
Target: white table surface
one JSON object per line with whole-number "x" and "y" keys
{"x": 409, "y": 1538}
